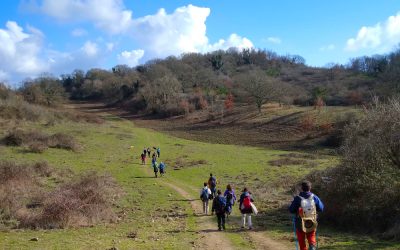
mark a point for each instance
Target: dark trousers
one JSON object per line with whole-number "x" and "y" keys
{"x": 221, "y": 221}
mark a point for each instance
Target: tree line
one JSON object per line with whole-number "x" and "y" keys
{"x": 195, "y": 81}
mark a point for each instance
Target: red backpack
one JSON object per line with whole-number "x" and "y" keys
{"x": 247, "y": 202}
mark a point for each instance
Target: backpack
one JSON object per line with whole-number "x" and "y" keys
{"x": 247, "y": 202}
{"x": 220, "y": 205}
{"x": 229, "y": 198}
{"x": 308, "y": 214}
{"x": 213, "y": 182}
{"x": 204, "y": 194}
{"x": 155, "y": 167}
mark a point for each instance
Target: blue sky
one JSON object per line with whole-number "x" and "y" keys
{"x": 59, "y": 36}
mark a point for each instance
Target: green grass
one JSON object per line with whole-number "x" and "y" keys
{"x": 146, "y": 203}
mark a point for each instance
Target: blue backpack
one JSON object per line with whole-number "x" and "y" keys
{"x": 229, "y": 198}
{"x": 221, "y": 204}
{"x": 204, "y": 194}
{"x": 213, "y": 182}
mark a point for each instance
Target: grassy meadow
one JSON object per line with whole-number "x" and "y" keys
{"x": 152, "y": 215}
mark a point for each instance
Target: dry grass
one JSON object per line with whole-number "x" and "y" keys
{"x": 26, "y": 202}
{"x": 38, "y": 142}
{"x": 286, "y": 161}
{"x": 13, "y": 107}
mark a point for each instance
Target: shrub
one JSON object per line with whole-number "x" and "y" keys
{"x": 38, "y": 142}
{"x": 84, "y": 202}
{"x": 4, "y": 91}
{"x": 26, "y": 203}
{"x": 43, "y": 91}
{"x": 37, "y": 147}
{"x": 307, "y": 122}
{"x": 64, "y": 141}
{"x": 364, "y": 191}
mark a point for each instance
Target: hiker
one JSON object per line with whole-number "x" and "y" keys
{"x": 143, "y": 157}
{"x": 212, "y": 184}
{"x": 230, "y": 197}
{"x": 154, "y": 155}
{"x": 148, "y": 151}
{"x": 145, "y": 151}
{"x": 205, "y": 194}
{"x": 162, "y": 168}
{"x": 218, "y": 206}
{"x": 155, "y": 168}
{"x": 158, "y": 152}
{"x": 153, "y": 160}
{"x": 305, "y": 207}
{"x": 245, "y": 207}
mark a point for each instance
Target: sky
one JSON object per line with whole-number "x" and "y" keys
{"x": 59, "y": 36}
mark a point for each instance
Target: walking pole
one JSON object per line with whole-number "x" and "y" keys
{"x": 294, "y": 233}
{"x": 316, "y": 237}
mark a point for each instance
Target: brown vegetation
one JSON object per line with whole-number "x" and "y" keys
{"x": 27, "y": 202}
{"x": 38, "y": 142}
{"x": 364, "y": 191}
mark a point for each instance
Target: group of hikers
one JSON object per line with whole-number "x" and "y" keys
{"x": 156, "y": 154}
{"x": 304, "y": 207}
{"x": 222, "y": 203}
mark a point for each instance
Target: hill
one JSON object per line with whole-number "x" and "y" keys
{"x": 162, "y": 212}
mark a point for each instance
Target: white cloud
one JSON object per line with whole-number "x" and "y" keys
{"x": 78, "y": 32}
{"x": 234, "y": 40}
{"x": 327, "y": 47}
{"x": 109, "y": 15}
{"x": 20, "y": 52}
{"x": 130, "y": 58}
{"x": 184, "y": 30}
{"x": 90, "y": 48}
{"x": 161, "y": 34}
{"x": 158, "y": 35}
{"x": 381, "y": 37}
{"x": 24, "y": 55}
{"x": 274, "y": 40}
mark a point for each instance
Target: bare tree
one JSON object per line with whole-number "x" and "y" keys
{"x": 261, "y": 87}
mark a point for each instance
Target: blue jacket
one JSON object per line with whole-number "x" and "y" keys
{"x": 219, "y": 204}
{"x": 294, "y": 207}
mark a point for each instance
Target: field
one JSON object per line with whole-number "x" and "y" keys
{"x": 163, "y": 212}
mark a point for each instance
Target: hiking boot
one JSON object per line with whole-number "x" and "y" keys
{"x": 250, "y": 228}
{"x": 219, "y": 229}
{"x": 312, "y": 247}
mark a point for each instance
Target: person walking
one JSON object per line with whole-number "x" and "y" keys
{"x": 305, "y": 207}
{"x": 158, "y": 152}
{"x": 230, "y": 197}
{"x": 155, "y": 169}
{"x": 143, "y": 157}
{"x": 245, "y": 208}
{"x": 212, "y": 184}
{"x": 205, "y": 194}
{"x": 162, "y": 168}
{"x": 148, "y": 151}
{"x": 218, "y": 206}
{"x": 153, "y": 160}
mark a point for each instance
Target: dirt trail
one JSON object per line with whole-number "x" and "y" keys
{"x": 214, "y": 238}
{"x": 259, "y": 239}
